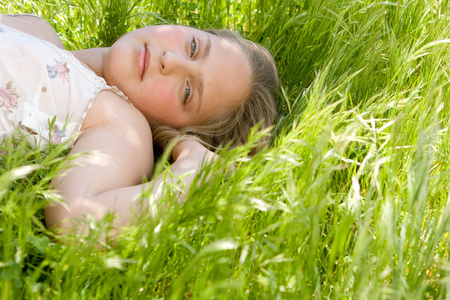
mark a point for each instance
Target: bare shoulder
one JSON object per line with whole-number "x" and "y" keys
{"x": 109, "y": 109}
{"x": 116, "y": 128}
{"x": 33, "y": 25}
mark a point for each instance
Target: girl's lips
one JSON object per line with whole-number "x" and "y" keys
{"x": 143, "y": 60}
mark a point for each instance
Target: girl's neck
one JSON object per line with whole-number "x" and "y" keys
{"x": 92, "y": 58}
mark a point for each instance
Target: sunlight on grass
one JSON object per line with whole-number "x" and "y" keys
{"x": 351, "y": 200}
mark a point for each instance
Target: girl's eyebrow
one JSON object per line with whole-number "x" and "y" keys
{"x": 207, "y": 48}
{"x": 205, "y": 55}
{"x": 200, "y": 94}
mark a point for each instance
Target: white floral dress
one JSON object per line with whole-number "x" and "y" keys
{"x": 45, "y": 92}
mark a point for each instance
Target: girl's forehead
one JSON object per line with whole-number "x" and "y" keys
{"x": 227, "y": 77}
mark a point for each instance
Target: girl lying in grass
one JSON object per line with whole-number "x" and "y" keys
{"x": 154, "y": 84}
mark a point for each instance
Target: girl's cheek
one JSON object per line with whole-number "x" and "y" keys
{"x": 166, "y": 95}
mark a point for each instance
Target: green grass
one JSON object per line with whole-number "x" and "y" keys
{"x": 352, "y": 200}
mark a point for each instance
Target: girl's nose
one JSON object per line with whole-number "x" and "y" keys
{"x": 172, "y": 62}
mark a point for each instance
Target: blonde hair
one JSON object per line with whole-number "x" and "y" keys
{"x": 234, "y": 127}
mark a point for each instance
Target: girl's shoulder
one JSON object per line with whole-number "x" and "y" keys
{"x": 109, "y": 109}
{"x": 33, "y": 25}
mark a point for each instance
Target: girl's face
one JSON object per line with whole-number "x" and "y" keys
{"x": 178, "y": 76}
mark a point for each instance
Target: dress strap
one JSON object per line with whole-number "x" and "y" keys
{"x": 119, "y": 93}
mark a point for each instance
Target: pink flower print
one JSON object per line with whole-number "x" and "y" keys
{"x": 55, "y": 139}
{"x": 62, "y": 71}
{"x": 9, "y": 101}
{"x": 56, "y": 135}
{"x": 8, "y": 96}
{"x": 59, "y": 70}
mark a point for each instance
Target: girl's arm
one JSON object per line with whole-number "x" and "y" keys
{"x": 33, "y": 25}
{"x": 108, "y": 180}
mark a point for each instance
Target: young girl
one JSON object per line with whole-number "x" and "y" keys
{"x": 179, "y": 81}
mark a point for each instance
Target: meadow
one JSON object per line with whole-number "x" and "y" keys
{"x": 351, "y": 201}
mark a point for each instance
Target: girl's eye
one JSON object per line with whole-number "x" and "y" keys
{"x": 193, "y": 48}
{"x": 187, "y": 93}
